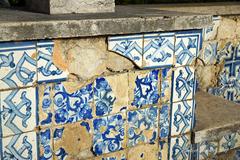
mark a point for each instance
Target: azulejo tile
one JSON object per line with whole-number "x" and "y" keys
{"x": 130, "y": 47}
{"x": 17, "y": 64}
{"x": 209, "y": 54}
{"x": 210, "y": 32}
{"x": 143, "y": 152}
{"x": 74, "y": 106}
{"x": 182, "y": 117}
{"x": 18, "y": 111}
{"x": 166, "y": 85}
{"x": 187, "y": 47}
{"x": 144, "y": 88}
{"x": 158, "y": 50}
{"x": 163, "y": 150}
{"x": 164, "y": 121}
{"x": 207, "y": 150}
{"x": 110, "y": 96}
{"x": 180, "y": 148}
{"x": 20, "y": 146}
{"x": 229, "y": 141}
{"x": 109, "y": 134}
{"x": 73, "y": 141}
{"x": 47, "y": 70}
{"x": 45, "y": 105}
{"x": 184, "y": 83}
{"x": 142, "y": 126}
{"x": 45, "y": 144}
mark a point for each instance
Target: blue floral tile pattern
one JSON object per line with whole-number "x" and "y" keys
{"x": 182, "y": 117}
{"x": 47, "y": 71}
{"x": 17, "y": 64}
{"x": 187, "y": 47}
{"x": 164, "y": 121}
{"x": 45, "y": 144}
{"x": 158, "y": 50}
{"x": 104, "y": 97}
{"x": 72, "y": 107}
{"x": 128, "y": 46}
{"x": 19, "y": 147}
{"x": 184, "y": 84}
{"x": 180, "y": 148}
{"x": 166, "y": 85}
{"x": 146, "y": 91}
{"x": 142, "y": 126}
{"x": 229, "y": 141}
{"x": 109, "y": 133}
{"x": 18, "y": 111}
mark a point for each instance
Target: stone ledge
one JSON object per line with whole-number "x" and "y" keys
{"x": 216, "y": 117}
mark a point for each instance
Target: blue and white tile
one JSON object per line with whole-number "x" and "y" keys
{"x": 109, "y": 134}
{"x": 229, "y": 141}
{"x": 182, "y": 117}
{"x": 47, "y": 70}
{"x": 210, "y": 32}
{"x": 110, "y": 96}
{"x": 164, "y": 121}
{"x": 166, "y": 85}
{"x": 158, "y": 50}
{"x": 207, "y": 149}
{"x": 19, "y": 147}
{"x": 130, "y": 46}
{"x": 45, "y": 144}
{"x": 209, "y": 53}
{"x": 187, "y": 47}
{"x": 142, "y": 126}
{"x": 163, "y": 150}
{"x": 144, "y": 88}
{"x": 184, "y": 84}
{"x": 180, "y": 148}
{"x": 18, "y": 111}
{"x": 18, "y": 66}
{"x": 73, "y": 106}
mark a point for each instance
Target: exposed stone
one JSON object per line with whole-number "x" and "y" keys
{"x": 227, "y": 29}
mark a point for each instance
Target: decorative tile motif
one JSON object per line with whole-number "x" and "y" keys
{"x": 207, "y": 149}
{"x": 110, "y": 96}
{"x": 229, "y": 142}
{"x": 18, "y": 111}
{"x": 45, "y": 144}
{"x": 182, "y": 117}
{"x": 47, "y": 71}
{"x": 166, "y": 85}
{"x": 146, "y": 88}
{"x": 143, "y": 152}
{"x": 210, "y": 32}
{"x": 180, "y": 148}
{"x": 158, "y": 50}
{"x": 209, "y": 55}
{"x": 17, "y": 64}
{"x": 109, "y": 133}
{"x": 21, "y": 146}
{"x": 164, "y": 121}
{"x": 128, "y": 46}
{"x": 72, "y": 107}
{"x": 142, "y": 126}
{"x": 187, "y": 47}
{"x": 73, "y": 141}
{"x": 184, "y": 84}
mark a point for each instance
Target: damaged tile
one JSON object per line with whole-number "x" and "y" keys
{"x": 164, "y": 121}
{"x": 45, "y": 143}
{"x": 229, "y": 141}
{"x": 166, "y": 85}
{"x": 120, "y": 155}
{"x": 143, "y": 152}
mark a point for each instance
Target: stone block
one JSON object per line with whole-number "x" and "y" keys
{"x": 71, "y": 6}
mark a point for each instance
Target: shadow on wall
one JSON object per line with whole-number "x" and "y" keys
{"x": 167, "y": 1}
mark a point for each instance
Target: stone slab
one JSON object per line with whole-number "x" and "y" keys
{"x": 71, "y": 6}
{"x": 216, "y": 117}
{"x": 22, "y": 25}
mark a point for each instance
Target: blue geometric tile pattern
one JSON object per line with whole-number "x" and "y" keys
{"x": 147, "y": 89}
{"x": 182, "y": 117}
{"x": 47, "y": 71}
{"x": 19, "y": 147}
{"x": 184, "y": 84}
{"x": 142, "y": 126}
{"x": 103, "y": 97}
{"x": 207, "y": 149}
{"x": 72, "y": 107}
{"x": 17, "y": 64}
{"x": 158, "y": 50}
{"x": 229, "y": 141}
{"x": 18, "y": 111}
{"x": 187, "y": 47}
{"x": 45, "y": 145}
{"x": 128, "y": 46}
{"x": 109, "y": 133}
{"x": 164, "y": 121}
